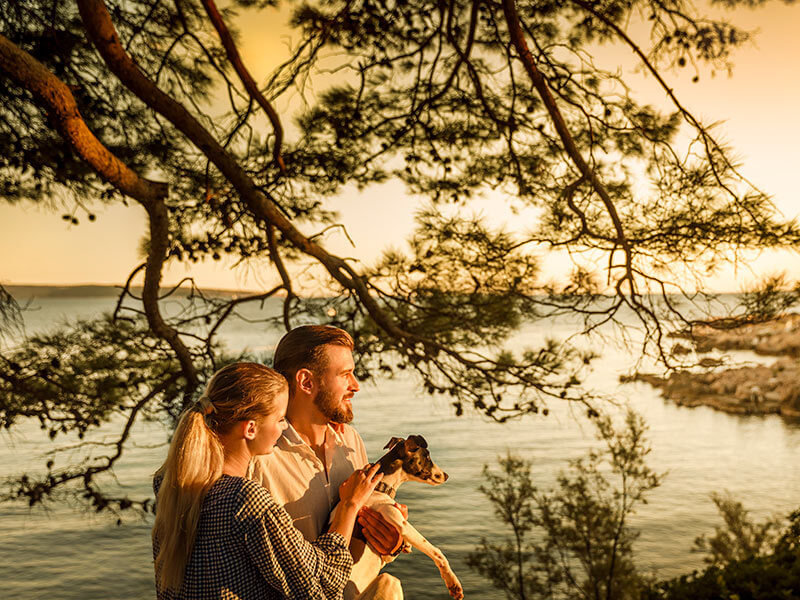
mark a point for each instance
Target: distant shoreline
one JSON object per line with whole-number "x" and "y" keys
{"x": 26, "y": 292}
{"x": 89, "y": 290}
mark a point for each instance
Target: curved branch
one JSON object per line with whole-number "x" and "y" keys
{"x": 57, "y": 99}
{"x": 103, "y": 35}
{"x": 229, "y": 309}
{"x": 525, "y": 56}
{"x": 247, "y": 80}
{"x": 126, "y": 290}
{"x": 156, "y": 256}
{"x": 287, "y": 281}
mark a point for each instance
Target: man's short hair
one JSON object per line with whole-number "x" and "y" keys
{"x": 302, "y": 348}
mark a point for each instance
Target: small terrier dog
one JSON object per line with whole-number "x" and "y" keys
{"x": 406, "y": 460}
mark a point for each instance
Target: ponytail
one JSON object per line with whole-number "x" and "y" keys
{"x": 193, "y": 464}
{"x": 238, "y": 392}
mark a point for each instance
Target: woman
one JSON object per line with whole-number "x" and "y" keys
{"x": 220, "y": 535}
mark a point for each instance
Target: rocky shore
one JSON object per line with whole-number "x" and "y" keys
{"x": 776, "y": 337}
{"x": 752, "y": 389}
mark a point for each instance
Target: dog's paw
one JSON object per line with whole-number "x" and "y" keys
{"x": 457, "y": 592}
{"x": 454, "y": 587}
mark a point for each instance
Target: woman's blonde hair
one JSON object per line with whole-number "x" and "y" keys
{"x": 238, "y": 392}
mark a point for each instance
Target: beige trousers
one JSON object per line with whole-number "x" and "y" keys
{"x": 383, "y": 587}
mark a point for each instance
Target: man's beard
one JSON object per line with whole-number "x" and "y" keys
{"x": 332, "y": 407}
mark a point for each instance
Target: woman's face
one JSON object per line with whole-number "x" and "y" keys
{"x": 271, "y": 427}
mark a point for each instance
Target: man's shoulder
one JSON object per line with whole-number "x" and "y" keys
{"x": 264, "y": 462}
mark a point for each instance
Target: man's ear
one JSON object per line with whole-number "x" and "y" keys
{"x": 304, "y": 379}
{"x": 249, "y": 429}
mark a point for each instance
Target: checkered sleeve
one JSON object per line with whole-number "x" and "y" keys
{"x": 290, "y": 564}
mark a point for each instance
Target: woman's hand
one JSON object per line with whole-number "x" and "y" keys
{"x": 353, "y": 493}
{"x": 357, "y": 488}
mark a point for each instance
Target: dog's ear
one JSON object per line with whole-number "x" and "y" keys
{"x": 415, "y": 442}
{"x": 393, "y": 442}
{"x": 418, "y": 441}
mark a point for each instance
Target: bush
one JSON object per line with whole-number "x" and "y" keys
{"x": 774, "y": 575}
{"x": 583, "y": 546}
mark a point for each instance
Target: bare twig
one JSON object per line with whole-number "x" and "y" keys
{"x": 235, "y": 59}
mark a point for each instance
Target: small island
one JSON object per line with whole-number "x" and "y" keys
{"x": 750, "y": 389}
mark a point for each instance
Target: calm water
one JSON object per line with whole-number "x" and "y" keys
{"x": 65, "y": 553}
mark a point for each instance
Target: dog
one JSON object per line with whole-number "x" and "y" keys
{"x": 406, "y": 460}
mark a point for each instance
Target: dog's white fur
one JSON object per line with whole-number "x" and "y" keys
{"x": 367, "y": 564}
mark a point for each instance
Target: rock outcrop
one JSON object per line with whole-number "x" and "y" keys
{"x": 777, "y": 337}
{"x": 754, "y": 389}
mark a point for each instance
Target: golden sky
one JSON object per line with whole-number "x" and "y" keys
{"x": 757, "y": 105}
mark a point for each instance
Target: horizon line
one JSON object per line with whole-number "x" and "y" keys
{"x": 279, "y": 294}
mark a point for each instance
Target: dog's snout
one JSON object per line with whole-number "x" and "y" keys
{"x": 446, "y": 476}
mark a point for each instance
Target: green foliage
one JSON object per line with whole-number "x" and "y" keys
{"x": 10, "y": 314}
{"x": 78, "y": 380}
{"x": 740, "y": 538}
{"x": 574, "y": 541}
{"x": 506, "y": 563}
{"x": 73, "y": 378}
{"x": 771, "y": 297}
{"x": 37, "y": 165}
{"x": 768, "y": 575}
{"x": 459, "y": 136}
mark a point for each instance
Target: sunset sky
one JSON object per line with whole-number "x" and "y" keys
{"x": 757, "y": 105}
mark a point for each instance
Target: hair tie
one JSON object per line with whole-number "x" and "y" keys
{"x": 205, "y": 406}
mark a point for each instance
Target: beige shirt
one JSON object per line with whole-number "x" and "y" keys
{"x": 297, "y": 479}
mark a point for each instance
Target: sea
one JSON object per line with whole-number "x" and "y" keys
{"x": 65, "y": 551}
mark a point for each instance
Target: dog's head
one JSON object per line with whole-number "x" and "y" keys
{"x": 413, "y": 457}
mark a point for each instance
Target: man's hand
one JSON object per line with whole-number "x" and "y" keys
{"x": 381, "y": 535}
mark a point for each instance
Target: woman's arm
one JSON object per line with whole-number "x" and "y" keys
{"x": 290, "y": 564}
{"x": 353, "y": 493}
{"x": 296, "y": 568}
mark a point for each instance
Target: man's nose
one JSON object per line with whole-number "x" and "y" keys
{"x": 354, "y": 387}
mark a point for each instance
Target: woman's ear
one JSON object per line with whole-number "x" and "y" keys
{"x": 249, "y": 429}
{"x": 305, "y": 380}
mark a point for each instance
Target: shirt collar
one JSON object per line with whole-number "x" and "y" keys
{"x": 335, "y": 436}
{"x": 292, "y": 438}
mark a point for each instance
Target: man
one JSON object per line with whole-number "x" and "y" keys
{"x": 312, "y": 458}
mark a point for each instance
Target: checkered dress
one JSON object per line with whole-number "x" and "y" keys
{"x": 247, "y": 549}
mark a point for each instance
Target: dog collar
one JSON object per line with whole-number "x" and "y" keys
{"x": 385, "y": 489}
